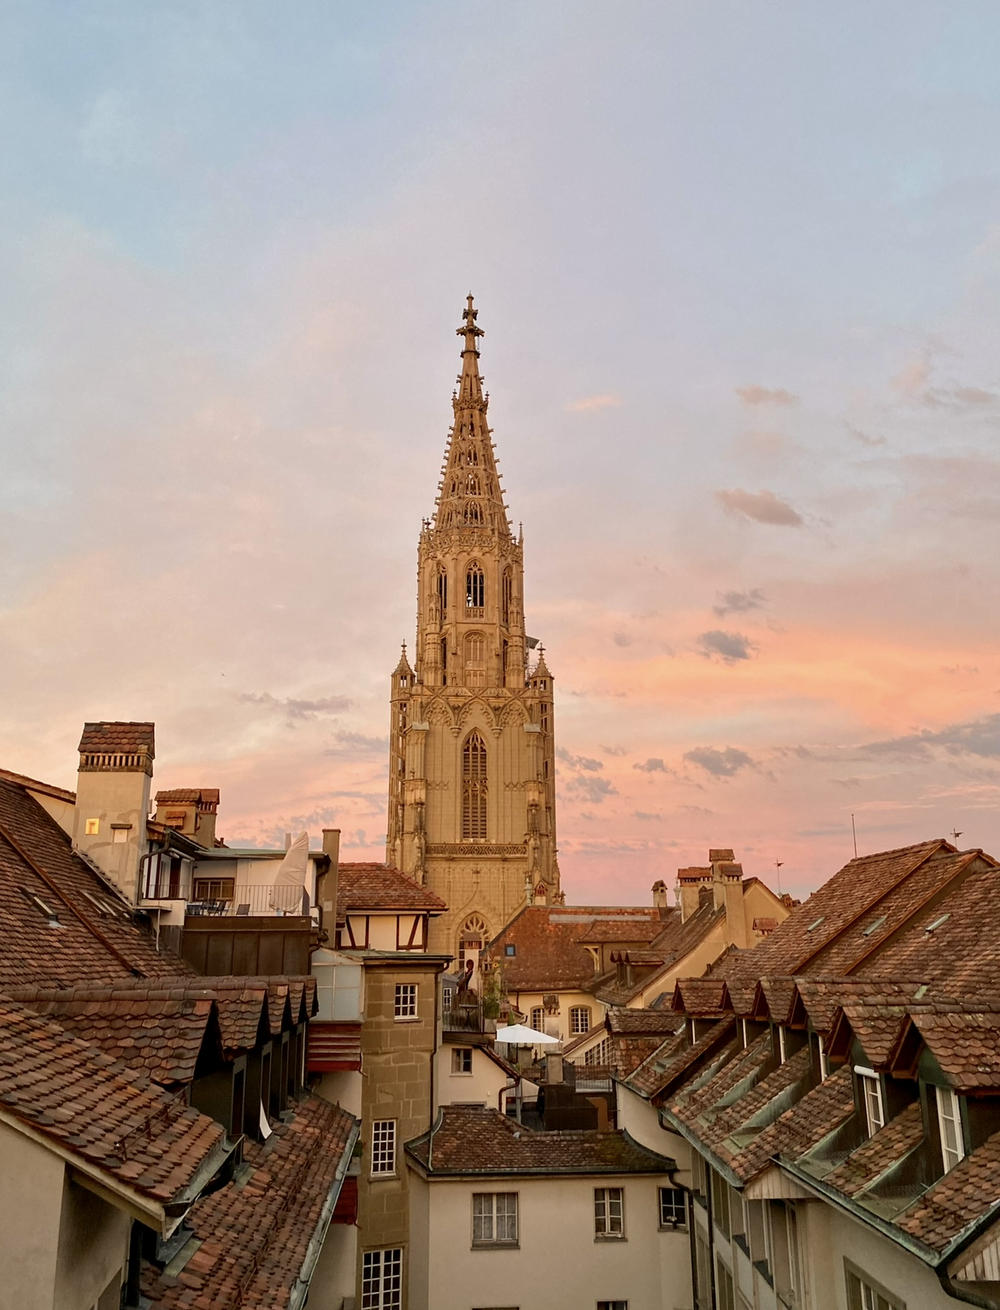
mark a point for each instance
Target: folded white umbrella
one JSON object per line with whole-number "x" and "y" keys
{"x": 520, "y": 1035}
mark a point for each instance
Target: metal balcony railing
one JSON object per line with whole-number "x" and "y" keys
{"x": 254, "y": 902}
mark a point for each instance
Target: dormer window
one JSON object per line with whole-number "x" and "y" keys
{"x": 950, "y": 1127}
{"x": 782, "y": 1053}
{"x": 870, "y": 1091}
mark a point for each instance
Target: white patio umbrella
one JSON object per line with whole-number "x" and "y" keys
{"x": 517, "y": 1034}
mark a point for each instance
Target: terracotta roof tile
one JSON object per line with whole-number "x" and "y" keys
{"x": 96, "y": 1109}
{"x": 661, "y": 1023}
{"x": 188, "y": 796}
{"x": 112, "y": 738}
{"x": 700, "y": 997}
{"x": 381, "y": 887}
{"x": 476, "y": 1140}
{"x": 547, "y": 941}
{"x": 255, "y": 1233}
{"x": 96, "y": 940}
{"x": 866, "y": 1164}
{"x": 966, "y": 1046}
{"x": 966, "y": 1193}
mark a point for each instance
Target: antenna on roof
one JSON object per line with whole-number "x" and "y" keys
{"x": 955, "y": 836}
{"x": 777, "y": 873}
{"x": 854, "y": 834}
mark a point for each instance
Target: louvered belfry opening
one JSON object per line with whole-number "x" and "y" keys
{"x": 474, "y": 788}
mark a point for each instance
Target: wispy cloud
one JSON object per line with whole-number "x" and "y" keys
{"x": 730, "y": 647}
{"x": 720, "y": 764}
{"x": 652, "y": 765}
{"x": 739, "y": 602}
{"x": 294, "y": 709}
{"x": 614, "y": 750}
{"x": 761, "y": 506}
{"x": 592, "y": 790}
{"x": 979, "y": 737}
{"x": 753, "y": 394}
{"x": 578, "y": 761}
{"x": 606, "y": 401}
{"x": 865, "y": 438}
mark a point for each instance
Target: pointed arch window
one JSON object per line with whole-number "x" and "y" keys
{"x": 473, "y": 455}
{"x": 472, "y": 487}
{"x": 444, "y": 661}
{"x": 475, "y": 660}
{"x": 475, "y": 588}
{"x": 473, "y": 512}
{"x": 508, "y": 594}
{"x": 474, "y": 788}
{"x": 471, "y": 940}
{"x": 442, "y": 590}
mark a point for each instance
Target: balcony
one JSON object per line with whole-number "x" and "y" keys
{"x": 253, "y": 902}
{"x": 467, "y": 1019}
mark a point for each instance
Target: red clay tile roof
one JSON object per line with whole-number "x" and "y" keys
{"x": 876, "y": 1027}
{"x": 381, "y": 887}
{"x": 96, "y": 941}
{"x": 868, "y": 1162}
{"x": 150, "y": 1029}
{"x": 821, "y": 998}
{"x": 624, "y": 929}
{"x": 478, "y": 1140}
{"x": 646, "y": 1023}
{"x": 966, "y": 1193}
{"x": 547, "y": 939}
{"x": 966, "y": 1046}
{"x": 114, "y": 738}
{"x": 188, "y": 796}
{"x": 699, "y": 997}
{"x": 111, "y": 1117}
{"x": 669, "y": 1064}
{"x": 32, "y": 784}
{"x": 255, "y": 1232}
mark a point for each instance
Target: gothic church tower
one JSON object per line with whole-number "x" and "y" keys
{"x": 471, "y": 754}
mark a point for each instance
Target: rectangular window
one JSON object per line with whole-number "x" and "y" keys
{"x": 865, "y": 1294}
{"x": 609, "y": 1212}
{"x": 870, "y": 1087}
{"x": 950, "y": 1126}
{"x": 537, "y": 1019}
{"x": 703, "y": 1273}
{"x": 579, "y": 1019}
{"x": 673, "y": 1207}
{"x": 494, "y": 1218}
{"x": 720, "y": 1203}
{"x": 384, "y": 1146}
{"x": 725, "y": 1297}
{"x": 784, "y": 1250}
{"x": 461, "y": 1059}
{"x": 824, "y": 1059}
{"x": 510, "y": 949}
{"x": 612, "y": 1305}
{"x": 382, "y": 1280}
{"x": 406, "y": 1000}
{"x": 214, "y": 889}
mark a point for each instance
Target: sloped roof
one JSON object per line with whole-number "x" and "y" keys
{"x": 146, "y": 1028}
{"x": 547, "y": 939}
{"x": 965, "y": 1194}
{"x": 111, "y": 1117}
{"x": 373, "y": 886}
{"x": 645, "y": 1023}
{"x": 478, "y": 1140}
{"x": 112, "y": 738}
{"x": 96, "y": 940}
{"x": 879, "y": 1153}
{"x": 966, "y": 1046}
{"x": 188, "y": 796}
{"x": 255, "y": 1235}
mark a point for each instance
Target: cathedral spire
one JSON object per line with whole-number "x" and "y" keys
{"x": 470, "y": 494}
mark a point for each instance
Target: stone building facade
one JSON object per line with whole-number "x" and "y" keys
{"x": 472, "y": 757}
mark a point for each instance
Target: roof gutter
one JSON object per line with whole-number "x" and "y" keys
{"x": 300, "y": 1291}
{"x": 671, "y": 1123}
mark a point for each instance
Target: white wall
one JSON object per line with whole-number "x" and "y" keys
{"x": 483, "y": 1084}
{"x": 558, "y": 1262}
{"x": 333, "y": 1277}
{"x": 342, "y": 1087}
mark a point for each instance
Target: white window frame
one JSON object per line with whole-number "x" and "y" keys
{"x": 579, "y": 1014}
{"x": 870, "y": 1087}
{"x": 377, "y": 1269}
{"x": 538, "y": 1023}
{"x": 406, "y": 1001}
{"x": 824, "y": 1059}
{"x": 458, "y": 1054}
{"x": 495, "y": 1219}
{"x": 782, "y": 1054}
{"x": 866, "y": 1294}
{"x": 949, "y": 1114}
{"x": 609, "y": 1214}
{"x": 672, "y": 1212}
{"x": 383, "y": 1148}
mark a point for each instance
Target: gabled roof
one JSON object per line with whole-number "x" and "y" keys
{"x": 96, "y": 939}
{"x": 105, "y": 1116}
{"x": 255, "y": 1234}
{"x": 373, "y": 886}
{"x": 641, "y": 1023}
{"x": 547, "y": 940}
{"x": 188, "y": 796}
{"x": 145, "y": 1028}
{"x": 481, "y": 1141}
{"x": 965, "y": 1046}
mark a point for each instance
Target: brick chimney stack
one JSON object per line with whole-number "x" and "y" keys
{"x": 112, "y": 800}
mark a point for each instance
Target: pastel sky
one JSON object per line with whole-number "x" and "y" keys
{"x": 738, "y": 265}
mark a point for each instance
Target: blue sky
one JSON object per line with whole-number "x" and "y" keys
{"x": 737, "y": 265}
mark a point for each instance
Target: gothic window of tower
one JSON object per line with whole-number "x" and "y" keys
{"x": 475, "y": 591}
{"x": 442, "y": 591}
{"x": 472, "y": 487}
{"x": 474, "y": 788}
{"x": 507, "y": 596}
{"x": 475, "y": 660}
{"x": 473, "y": 513}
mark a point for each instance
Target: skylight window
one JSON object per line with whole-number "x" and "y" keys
{"x": 816, "y": 924}
{"x": 867, "y": 932}
{"x": 937, "y": 923}
{"x": 43, "y": 909}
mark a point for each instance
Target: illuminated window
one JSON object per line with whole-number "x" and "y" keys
{"x": 93, "y": 828}
{"x": 474, "y": 788}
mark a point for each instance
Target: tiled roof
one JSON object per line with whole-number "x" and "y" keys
{"x": 966, "y": 1046}
{"x": 146, "y": 1028}
{"x": 700, "y": 997}
{"x": 96, "y": 940}
{"x": 32, "y": 784}
{"x": 872, "y": 1158}
{"x": 381, "y": 887}
{"x": 255, "y": 1233}
{"x": 966, "y": 1193}
{"x": 821, "y": 998}
{"x": 108, "y": 1116}
{"x": 672, "y": 1061}
{"x": 673, "y": 944}
{"x": 620, "y": 928}
{"x": 647, "y": 1076}
{"x": 477, "y": 1140}
{"x": 114, "y": 738}
{"x": 876, "y": 1027}
{"x": 661, "y": 1023}
{"x": 188, "y": 796}
{"x": 547, "y": 940}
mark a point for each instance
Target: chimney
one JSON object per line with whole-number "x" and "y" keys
{"x": 112, "y": 800}
{"x": 553, "y": 1068}
{"x": 326, "y": 890}
{"x": 727, "y": 888}
{"x": 717, "y": 857}
{"x": 689, "y": 884}
{"x": 659, "y": 895}
{"x": 191, "y": 811}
